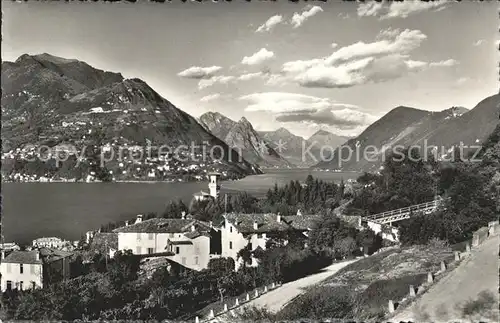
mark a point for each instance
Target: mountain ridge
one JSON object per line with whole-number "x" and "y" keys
{"x": 405, "y": 126}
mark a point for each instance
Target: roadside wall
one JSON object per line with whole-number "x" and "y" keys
{"x": 479, "y": 236}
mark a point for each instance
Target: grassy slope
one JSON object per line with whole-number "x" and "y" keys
{"x": 363, "y": 289}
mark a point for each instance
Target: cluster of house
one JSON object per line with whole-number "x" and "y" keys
{"x": 193, "y": 243}
{"x": 188, "y": 242}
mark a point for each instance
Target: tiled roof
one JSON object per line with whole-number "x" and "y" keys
{"x": 49, "y": 255}
{"x": 268, "y": 222}
{"x": 302, "y": 222}
{"x": 196, "y": 234}
{"x": 161, "y": 225}
{"x": 29, "y": 257}
{"x": 175, "y": 242}
{"x": 22, "y": 257}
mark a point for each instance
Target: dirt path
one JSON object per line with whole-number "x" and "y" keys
{"x": 276, "y": 299}
{"x": 445, "y": 300}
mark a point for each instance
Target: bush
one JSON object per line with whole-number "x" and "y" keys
{"x": 372, "y": 303}
{"x": 255, "y": 314}
{"x": 320, "y": 303}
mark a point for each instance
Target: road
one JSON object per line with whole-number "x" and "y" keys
{"x": 274, "y": 300}
{"x": 444, "y": 301}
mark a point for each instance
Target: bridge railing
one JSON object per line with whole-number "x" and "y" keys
{"x": 408, "y": 209}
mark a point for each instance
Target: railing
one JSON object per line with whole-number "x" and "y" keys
{"x": 406, "y": 210}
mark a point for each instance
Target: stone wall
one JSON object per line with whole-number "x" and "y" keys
{"x": 493, "y": 227}
{"x": 414, "y": 292}
{"x": 227, "y": 311}
{"x": 479, "y": 236}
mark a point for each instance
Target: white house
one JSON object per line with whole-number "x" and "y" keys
{"x": 50, "y": 242}
{"x": 191, "y": 249}
{"x": 9, "y": 246}
{"x": 239, "y": 230}
{"x": 33, "y": 269}
{"x": 185, "y": 241}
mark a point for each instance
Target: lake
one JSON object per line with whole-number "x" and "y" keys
{"x": 68, "y": 210}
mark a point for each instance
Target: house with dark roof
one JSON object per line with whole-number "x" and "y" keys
{"x": 186, "y": 241}
{"x": 240, "y": 230}
{"x": 34, "y": 269}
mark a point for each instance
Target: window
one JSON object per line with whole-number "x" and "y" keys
{"x": 32, "y": 269}
{"x": 151, "y": 236}
{"x": 138, "y": 250}
{"x": 21, "y": 285}
{"x": 21, "y": 268}
{"x": 150, "y": 251}
{"x": 259, "y": 235}
{"x": 33, "y": 285}
{"x": 183, "y": 260}
{"x": 171, "y": 235}
{"x": 230, "y": 228}
{"x": 230, "y": 245}
{"x": 196, "y": 260}
{"x": 8, "y": 268}
{"x": 138, "y": 236}
{"x": 177, "y": 250}
{"x": 9, "y": 284}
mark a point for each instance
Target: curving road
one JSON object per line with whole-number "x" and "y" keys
{"x": 274, "y": 300}
{"x": 444, "y": 301}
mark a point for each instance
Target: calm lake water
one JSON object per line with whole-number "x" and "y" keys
{"x": 68, "y": 210}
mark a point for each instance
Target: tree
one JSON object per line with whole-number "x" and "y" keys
{"x": 245, "y": 254}
{"x": 123, "y": 268}
{"x": 346, "y": 246}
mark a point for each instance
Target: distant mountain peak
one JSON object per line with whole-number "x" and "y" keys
{"x": 283, "y": 131}
{"x": 322, "y": 132}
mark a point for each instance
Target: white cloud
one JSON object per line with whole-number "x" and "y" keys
{"x": 229, "y": 79}
{"x": 345, "y": 119}
{"x": 399, "y": 9}
{"x": 278, "y": 102}
{"x": 388, "y": 33}
{"x": 299, "y": 18}
{"x": 446, "y": 63}
{"x": 344, "y": 75}
{"x": 222, "y": 79}
{"x": 197, "y": 72}
{"x": 250, "y": 76}
{"x": 371, "y": 8}
{"x": 402, "y": 9}
{"x": 210, "y": 97}
{"x": 360, "y": 63}
{"x": 405, "y": 42}
{"x": 270, "y": 23}
{"x": 261, "y": 56}
{"x": 300, "y": 108}
{"x": 462, "y": 80}
{"x": 479, "y": 42}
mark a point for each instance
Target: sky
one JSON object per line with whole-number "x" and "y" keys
{"x": 336, "y": 66}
